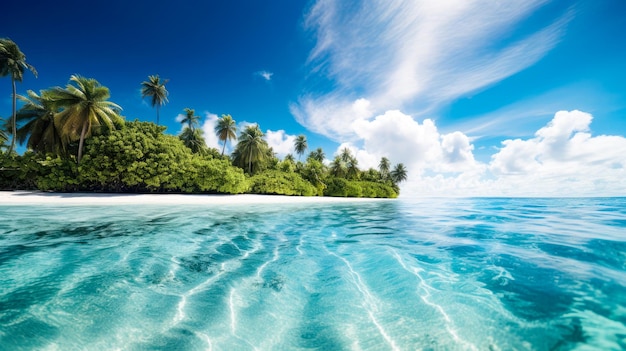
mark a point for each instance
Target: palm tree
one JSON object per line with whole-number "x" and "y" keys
{"x": 251, "y": 148}
{"x": 13, "y": 63}
{"x": 3, "y": 136}
{"x": 190, "y": 118}
{"x": 318, "y": 154}
{"x": 345, "y": 155}
{"x": 85, "y": 106}
{"x": 193, "y": 139}
{"x": 300, "y": 145}
{"x": 226, "y": 129}
{"x": 38, "y": 117}
{"x": 289, "y": 158}
{"x": 338, "y": 167}
{"x": 383, "y": 167}
{"x": 399, "y": 173}
{"x": 154, "y": 88}
{"x": 352, "y": 168}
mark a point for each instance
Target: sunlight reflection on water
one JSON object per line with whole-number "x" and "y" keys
{"x": 485, "y": 274}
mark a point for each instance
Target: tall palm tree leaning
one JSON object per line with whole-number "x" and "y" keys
{"x": 226, "y": 129}
{"x": 85, "y": 106}
{"x": 154, "y": 88}
{"x": 300, "y": 145}
{"x": 37, "y": 117}
{"x": 13, "y": 63}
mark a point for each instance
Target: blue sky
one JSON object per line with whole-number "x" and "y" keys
{"x": 466, "y": 93}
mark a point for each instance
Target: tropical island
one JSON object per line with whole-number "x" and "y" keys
{"x": 78, "y": 141}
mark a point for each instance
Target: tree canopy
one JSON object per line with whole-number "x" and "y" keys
{"x": 13, "y": 64}
{"x": 77, "y": 140}
{"x": 154, "y": 88}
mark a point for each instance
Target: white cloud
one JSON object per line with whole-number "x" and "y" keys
{"x": 265, "y": 75}
{"x": 208, "y": 128}
{"x": 412, "y": 54}
{"x": 281, "y": 142}
{"x": 563, "y": 159}
{"x": 331, "y": 117}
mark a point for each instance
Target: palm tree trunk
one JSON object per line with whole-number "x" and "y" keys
{"x": 13, "y": 119}
{"x": 80, "y": 143}
{"x": 223, "y": 147}
{"x": 158, "y": 115}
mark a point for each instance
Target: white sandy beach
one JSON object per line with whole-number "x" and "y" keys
{"x": 35, "y": 197}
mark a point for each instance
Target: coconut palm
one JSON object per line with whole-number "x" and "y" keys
{"x": 399, "y": 173}
{"x": 317, "y": 154}
{"x": 154, "y": 88}
{"x": 3, "y": 136}
{"x": 13, "y": 63}
{"x": 193, "y": 139}
{"x": 85, "y": 106}
{"x": 38, "y": 126}
{"x": 383, "y": 167}
{"x": 352, "y": 168}
{"x": 251, "y": 147}
{"x": 338, "y": 167}
{"x": 289, "y": 158}
{"x": 190, "y": 118}
{"x": 300, "y": 145}
{"x": 345, "y": 155}
{"x": 226, "y": 129}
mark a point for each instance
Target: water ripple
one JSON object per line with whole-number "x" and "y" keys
{"x": 432, "y": 274}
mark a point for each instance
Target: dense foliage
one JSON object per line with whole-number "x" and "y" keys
{"x": 136, "y": 158}
{"x": 77, "y": 140}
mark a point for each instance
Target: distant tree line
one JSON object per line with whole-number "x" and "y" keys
{"x": 77, "y": 140}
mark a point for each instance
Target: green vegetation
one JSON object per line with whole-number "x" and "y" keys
{"x": 13, "y": 63}
{"x": 154, "y": 88}
{"x": 77, "y": 140}
{"x": 226, "y": 129}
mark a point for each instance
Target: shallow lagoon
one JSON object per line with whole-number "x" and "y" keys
{"x": 432, "y": 274}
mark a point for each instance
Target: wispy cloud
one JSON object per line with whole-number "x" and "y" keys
{"x": 413, "y": 54}
{"x": 521, "y": 118}
{"x": 265, "y": 75}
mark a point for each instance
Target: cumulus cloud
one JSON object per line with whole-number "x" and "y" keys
{"x": 208, "y": 128}
{"x": 281, "y": 142}
{"x": 562, "y": 159}
{"x": 412, "y": 54}
{"x": 421, "y": 146}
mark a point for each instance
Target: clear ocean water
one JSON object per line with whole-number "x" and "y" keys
{"x": 428, "y": 274}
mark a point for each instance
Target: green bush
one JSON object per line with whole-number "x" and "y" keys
{"x": 341, "y": 187}
{"x": 138, "y": 157}
{"x": 280, "y": 183}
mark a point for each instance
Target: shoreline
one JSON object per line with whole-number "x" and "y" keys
{"x": 49, "y": 198}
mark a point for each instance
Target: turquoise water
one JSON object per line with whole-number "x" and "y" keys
{"x": 432, "y": 274}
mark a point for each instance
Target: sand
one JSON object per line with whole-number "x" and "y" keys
{"x": 47, "y": 198}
